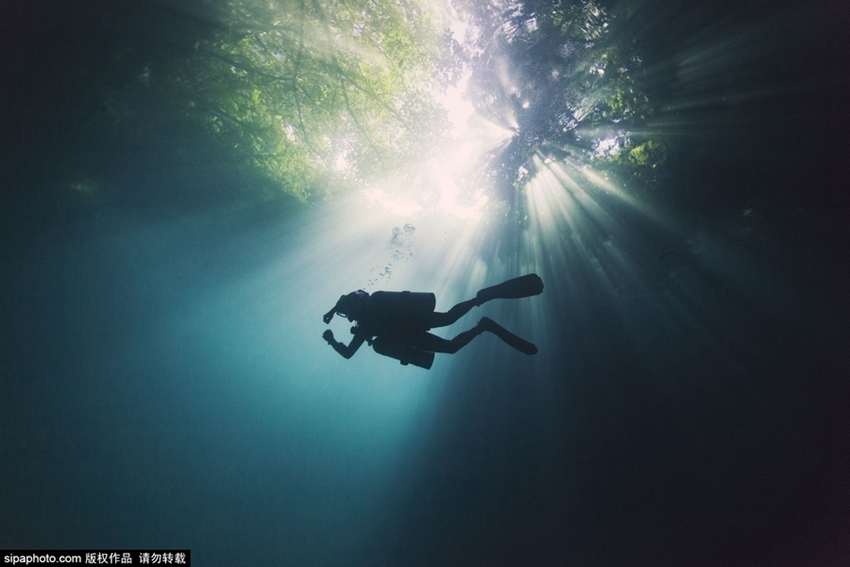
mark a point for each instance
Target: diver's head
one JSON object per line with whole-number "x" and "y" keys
{"x": 351, "y": 305}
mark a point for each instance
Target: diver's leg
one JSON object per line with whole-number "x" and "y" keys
{"x": 434, "y": 343}
{"x": 453, "y": 314}
{"x": 508, "y": 337}
{"x": 523, "y": 286}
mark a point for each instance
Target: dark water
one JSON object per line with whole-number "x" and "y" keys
{"x": 165, "y": 384}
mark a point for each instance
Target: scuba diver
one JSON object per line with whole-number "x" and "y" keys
{"x": 396, "y": 323}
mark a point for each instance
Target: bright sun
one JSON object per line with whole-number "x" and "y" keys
{"x": 441, "y": 181}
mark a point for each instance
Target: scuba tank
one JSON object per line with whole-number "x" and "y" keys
{"x": 405, "y": 303}
{"x": 398, "y": 313}
{"x": 403, "y": 352}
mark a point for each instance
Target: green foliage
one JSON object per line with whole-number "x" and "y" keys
{"x": 649, "y": 153}
{"x": 583, "y": 20}
{"x": 633, "y": 158}
{"x": 316, "y": 92}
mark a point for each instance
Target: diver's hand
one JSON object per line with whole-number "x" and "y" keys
{"x": 328, "y": 335}
{"x": 327, "y": 317}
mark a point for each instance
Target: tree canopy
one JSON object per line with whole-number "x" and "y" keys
{"x": 315, "y": 91}
{"x": 320, "y": 93}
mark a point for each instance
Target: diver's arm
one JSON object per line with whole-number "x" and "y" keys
{"x": 345, "y": 350}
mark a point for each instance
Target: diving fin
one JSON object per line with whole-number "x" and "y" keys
{"x": 508, "y": 337}
{"x": 523, "y": 286}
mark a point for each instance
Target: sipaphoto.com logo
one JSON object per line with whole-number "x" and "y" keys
{"x": 39, "y": 558}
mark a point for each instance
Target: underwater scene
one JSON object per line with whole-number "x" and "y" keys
{"x": 427, "y": 282}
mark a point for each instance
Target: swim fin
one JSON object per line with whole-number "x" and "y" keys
{"x": 523, "y": 286}
{"x": 508, "y": 337}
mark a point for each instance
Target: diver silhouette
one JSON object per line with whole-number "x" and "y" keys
{"x": 396, "y": 323}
